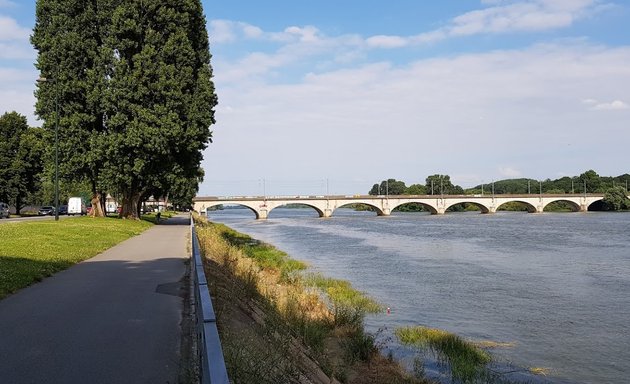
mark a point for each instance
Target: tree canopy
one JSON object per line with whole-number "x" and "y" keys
{"x": 132, "y": 83}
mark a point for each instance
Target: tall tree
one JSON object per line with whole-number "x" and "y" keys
{"x": 161, "y": 97}
{"x": 69, "y": 36}
{"x": 131, "y": 81}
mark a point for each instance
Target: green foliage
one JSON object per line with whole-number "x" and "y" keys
{"x": 466, "y": 361}
{"x": 31, "y": 251}
{"x": 348, "y": 305}
{"x": 442, "y": 185}
{"x": 132, "y": 84}
{"x": 616, "y": 199}
{"x": 416, "y": 189}
{"x": 21, "y": 161}
{"x": 265, "y": 255}
{"x": 388, "y": 187}
{"x": 590, "y": 180}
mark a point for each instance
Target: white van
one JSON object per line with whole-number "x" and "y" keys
{"x": 76, "y": 206}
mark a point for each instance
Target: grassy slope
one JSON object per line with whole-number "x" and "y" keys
{"x": 275, "y": 328}
{"x": 31, "y": 251}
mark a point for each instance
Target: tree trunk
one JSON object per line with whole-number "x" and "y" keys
{"x": 130, "y": 202}
{"x": 18, "y": 205}
{"x": 97, "y": 208}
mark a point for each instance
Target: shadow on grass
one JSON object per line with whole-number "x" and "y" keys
{"x": 17, "y": 272}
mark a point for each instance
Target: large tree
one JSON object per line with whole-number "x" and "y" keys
{"x": 161, "y": 97}
{"x": 75, "y": 63}
{"x": 132, "y": 83}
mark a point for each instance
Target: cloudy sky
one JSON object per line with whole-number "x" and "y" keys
{"x": 333, "y": 96}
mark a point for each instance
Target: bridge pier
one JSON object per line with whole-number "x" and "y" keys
{"x": 327, "y": 213}
{"x": 384, "y": 212}
{"x": 262, "y": 214}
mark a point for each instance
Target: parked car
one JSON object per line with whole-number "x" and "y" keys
{"x": 46, "y": 210}
{"x": 63, "y": 209}
{"x": 4, "y": 210}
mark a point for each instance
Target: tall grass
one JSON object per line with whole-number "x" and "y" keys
{"x": 466, "y": 361}
{"x": 311, "y": 308}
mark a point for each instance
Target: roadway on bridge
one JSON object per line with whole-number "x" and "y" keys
{"x": 112, "y": 319}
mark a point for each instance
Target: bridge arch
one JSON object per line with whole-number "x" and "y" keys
{"x": 428, "y": 207}
{"x": 377, "y": 209}
{"x": 239, "y": 204}
{"x": 530, "y": 207}
{"x": 575, "y": 207}
{"x": 482, "y": 207}
{"x": 317, "y": 209}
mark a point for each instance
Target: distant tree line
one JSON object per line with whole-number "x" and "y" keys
{"x": 614, "y": 188}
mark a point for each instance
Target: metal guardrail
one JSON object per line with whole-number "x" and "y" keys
{"x": 210, "y": 354}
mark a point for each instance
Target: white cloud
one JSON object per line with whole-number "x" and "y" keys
{"x": 382, "y": 41}
{"x": 10, "y": 30}
{"x": 16, "y": 51}
{"x": 612, "y": 106}
{"x": 7, "y": 4}
{"x": 424, "y": 117}
{"x": 507, "y": 17}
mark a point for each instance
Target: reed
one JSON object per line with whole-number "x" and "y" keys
{"x": 466, "y": 361}
{"x": 325, "y": 315}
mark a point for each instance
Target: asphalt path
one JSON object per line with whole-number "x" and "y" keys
{"x": 112, "y": 319}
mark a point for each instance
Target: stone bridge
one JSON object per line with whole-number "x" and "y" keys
{"x": 384, "y": 205}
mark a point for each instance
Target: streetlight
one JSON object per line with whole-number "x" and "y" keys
{"x": 53, "y": 81}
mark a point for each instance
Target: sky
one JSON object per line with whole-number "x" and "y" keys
{"x": 334, "y": 96}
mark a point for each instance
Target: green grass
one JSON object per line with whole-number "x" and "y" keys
{"x": 341, "y": 292}
{"x": 465, "y": 359}
{"x": 31, "y": 251}
{"x": 152, "y": 217}
{"x": 266, "y": 256}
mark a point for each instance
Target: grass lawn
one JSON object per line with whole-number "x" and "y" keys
{"x": 31, "y": 251}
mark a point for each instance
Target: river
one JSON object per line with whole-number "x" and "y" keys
{"x": 556, "y": 285}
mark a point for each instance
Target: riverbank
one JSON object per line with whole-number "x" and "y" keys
{"x": 280, "y": 323}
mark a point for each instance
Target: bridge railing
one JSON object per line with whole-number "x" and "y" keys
{"x": 210, "y": 354}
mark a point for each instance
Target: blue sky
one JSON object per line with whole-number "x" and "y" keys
{"x": 335, "y": 96}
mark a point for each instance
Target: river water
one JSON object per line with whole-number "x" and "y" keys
{"x": 557, "y": 285}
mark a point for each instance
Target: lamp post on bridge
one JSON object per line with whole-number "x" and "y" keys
{"x": 56, "y": 85}
{"x": 529, "y": 189}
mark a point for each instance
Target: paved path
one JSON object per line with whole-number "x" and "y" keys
{"x": 112, "y": 319}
